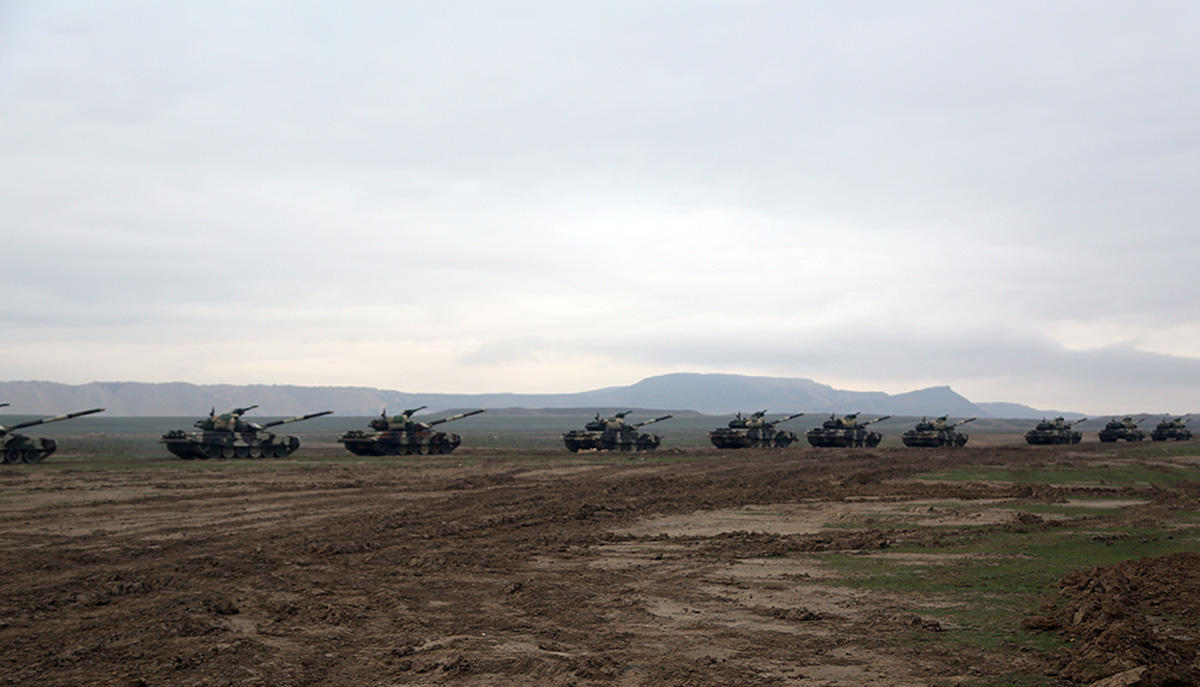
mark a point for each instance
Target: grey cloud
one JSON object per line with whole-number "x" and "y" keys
{"x": 921, "y": 191}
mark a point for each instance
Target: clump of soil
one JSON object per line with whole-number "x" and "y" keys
{"x": 1142, "y": 613}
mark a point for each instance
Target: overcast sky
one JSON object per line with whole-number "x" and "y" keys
{"x": 554, "y": 196}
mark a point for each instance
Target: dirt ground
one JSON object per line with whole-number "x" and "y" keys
{"x": 688, "y": 568}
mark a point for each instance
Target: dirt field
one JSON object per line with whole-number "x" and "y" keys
{"x": 986, "y": 565}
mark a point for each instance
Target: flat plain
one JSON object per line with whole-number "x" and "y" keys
{"x": 995, "y": 564}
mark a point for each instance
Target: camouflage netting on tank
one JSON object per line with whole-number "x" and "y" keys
{"x": 1140, "y": 618}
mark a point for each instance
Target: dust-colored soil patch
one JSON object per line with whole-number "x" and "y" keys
{"x": 702, "y": 570}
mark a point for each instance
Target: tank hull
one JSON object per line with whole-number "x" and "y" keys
{"x": 18, "y": 448}
{"x": 1109, "y": 436}
{"x": 1171, "y": 433}
{"x": 214, "y": 444}
{"x": 843, "y": 438}
{"x": 399, "y": 443}
{"x": 610, "y": 440}
{"x": 727, "y": 438}
{"x": 934, "y": 439}
{"x": 1052, "y": 436}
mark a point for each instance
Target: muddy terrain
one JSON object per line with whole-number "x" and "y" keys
{"x": 984, "y": 565}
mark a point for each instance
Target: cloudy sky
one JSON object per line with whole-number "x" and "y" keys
{"x": 550, "y": 196}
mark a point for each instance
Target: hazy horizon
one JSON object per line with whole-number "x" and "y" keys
{"x": 539, "y": 197}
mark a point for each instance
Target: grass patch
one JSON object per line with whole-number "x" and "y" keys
{"x": 1058, "y": 509}
{"x": 1001, "y": 579}
{"x": 1064, "y": 475}
{"x": 1165, "y": 448}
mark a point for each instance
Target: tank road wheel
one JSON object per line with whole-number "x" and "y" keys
{"x": 423, "y": 449}
{"x": 280, "y": 451}
{"x": 226, "y": 451}
{"x": 241, "y": 451}
{"x": 32, "y": 456}
{"x": 12, "y": 457}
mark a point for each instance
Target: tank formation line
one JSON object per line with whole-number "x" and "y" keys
{"x": 227, "y": 435}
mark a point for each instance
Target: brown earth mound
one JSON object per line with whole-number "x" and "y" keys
{"x": 1142, "y": 613}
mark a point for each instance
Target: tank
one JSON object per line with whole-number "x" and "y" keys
{"x": 1056, "y": 431}
{"x": 18, "y": 448}
{"x": 845, "y": 431}
{"x": 1172, "y": 429}
{"x": 1126, "y": 428}
{"x": 400, "y": 435}
{"x": 753, "y": 432}
{"x": 229, "y": 436}
{"x": 613, "y": 434}
{"x": 937, "y": 433}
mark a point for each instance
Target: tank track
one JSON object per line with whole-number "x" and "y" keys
{"x": 843, "y": 438}
{"x": 29, "y": 454}
{"x": 914, "y": 439}
{"x": 371, "y": 444}
{"x": 181, "y": 445}
{"x": 732, "y": 439}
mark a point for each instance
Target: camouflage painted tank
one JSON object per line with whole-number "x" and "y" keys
{"x": 753, "y": 432}
{"x": 938, "y": 432}
{"x": 229, "y": 436}
{"x": 1172, "y": 429}
{"x": 18, "y": 448}
{"x": 613, "y": 434}
{"x": 1126, "y": 428}
{"x": 400, "y": 435}
{"x": 845, "y": 431}
{"x": 1056, "y": 431}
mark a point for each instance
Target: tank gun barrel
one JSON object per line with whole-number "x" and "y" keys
{"x": 787, "y": 417}
{"x": 963, "y": 422}
{"x": 457, "y": 417}
{"x": 298, "y": 418}
{"x": 56, "y": 418}
{"x": 650, "y": 422}
{"x": 1076, "y": 422}
{"x": 878, "y": 419}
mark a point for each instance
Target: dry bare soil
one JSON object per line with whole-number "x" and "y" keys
{"x": 998, "y": 564}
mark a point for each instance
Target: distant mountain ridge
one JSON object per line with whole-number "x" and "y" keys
{"x": 705, "y": 393}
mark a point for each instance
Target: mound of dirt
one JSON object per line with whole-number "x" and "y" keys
{"x": 1142, "y": 613}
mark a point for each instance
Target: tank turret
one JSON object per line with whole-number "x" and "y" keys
{"x": 1056, "y": 431}
{"x": 613, "y": 434}
{"x": 400, "y": 435}
{"x": 753, "y": 431}
{"x": 225, "y": 422}
{"x": 1172, "y": 429}
{"x": 396, "y": 423}
{"x": 936, "y": 433}
{"x": 227, "y": 435}
{"x": 18, "y": 448}
{"x": 845, "y": 431}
